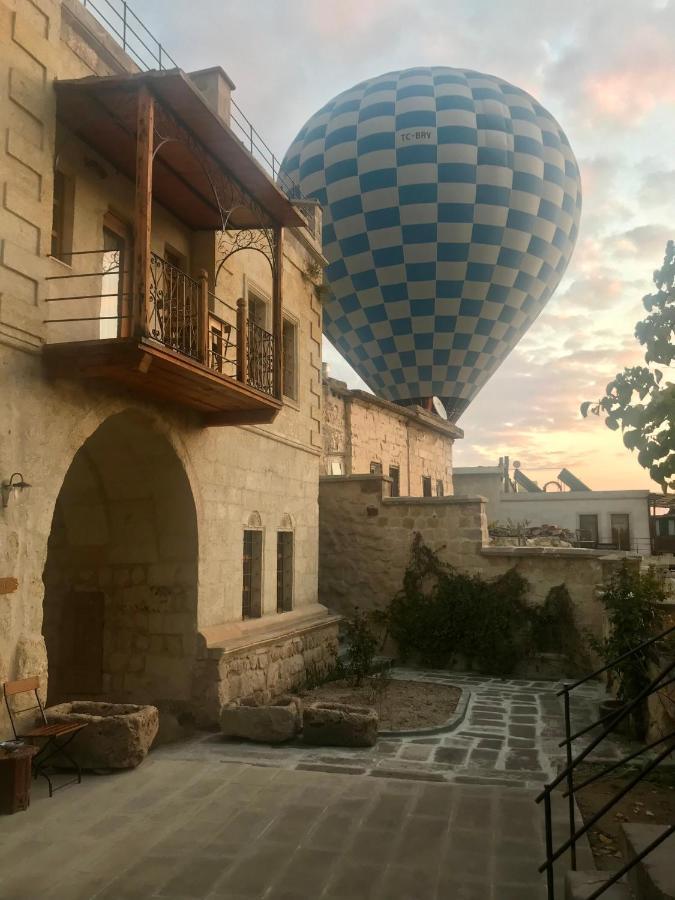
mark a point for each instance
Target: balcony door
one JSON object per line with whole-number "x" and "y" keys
{"x": 115, "y": 279}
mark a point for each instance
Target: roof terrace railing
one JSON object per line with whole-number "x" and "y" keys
{"x": 122, "y": 23}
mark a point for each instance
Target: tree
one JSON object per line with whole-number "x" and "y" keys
{"x": 639, "y": 401}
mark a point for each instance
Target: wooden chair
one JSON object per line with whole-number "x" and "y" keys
{"x": 56, "y": 736}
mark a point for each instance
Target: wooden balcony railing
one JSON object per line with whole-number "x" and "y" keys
{"x": 180, "y": 319}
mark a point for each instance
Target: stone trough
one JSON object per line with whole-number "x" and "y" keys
{"x": 265, "y": 721}
{"x": 339, "y": 725}
{"x": 118, "y": 736}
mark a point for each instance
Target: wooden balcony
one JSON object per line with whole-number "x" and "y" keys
{"x": 219, "y": 364}
{"x": 134, "y": 319}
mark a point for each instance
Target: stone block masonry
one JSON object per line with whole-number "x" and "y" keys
{"x": 366, "y": 536}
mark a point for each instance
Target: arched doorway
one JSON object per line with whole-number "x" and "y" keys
{"x": 120, "y": 603}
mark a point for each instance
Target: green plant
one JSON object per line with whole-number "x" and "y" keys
{"x": 631, "y": 599}
{"x": 638, "y": 400}
{"x": 441, "y": 614}
{"x": 361, "y": 647}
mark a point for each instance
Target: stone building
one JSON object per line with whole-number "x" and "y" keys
{"x": 160, "y": 364}
{"x": 364, "y": 434}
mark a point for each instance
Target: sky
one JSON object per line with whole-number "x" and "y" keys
{"x": 605, "y": 69}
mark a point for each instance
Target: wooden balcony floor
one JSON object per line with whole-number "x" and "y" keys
{"x": 150, "y": 369}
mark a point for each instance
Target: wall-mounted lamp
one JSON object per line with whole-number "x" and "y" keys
{"x": 16, "y": 483}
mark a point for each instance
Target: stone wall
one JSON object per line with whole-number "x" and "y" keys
{"x": 233, "y": 667}
{"x": 365, "y": 540}
{"x": 360, "y": 429}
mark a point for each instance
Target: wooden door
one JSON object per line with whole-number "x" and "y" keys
{"x": 620, "y": 531}
{"x": 116, "y": 278}
{"x": 81, "y": 638}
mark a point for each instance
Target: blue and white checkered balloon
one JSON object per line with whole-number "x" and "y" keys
{"x": 451, "y": 208}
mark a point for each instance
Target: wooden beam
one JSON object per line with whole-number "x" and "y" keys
{"x": 143, "y": 209}
{"x": 277, "y": 309}
{"x": 241, "y": 417}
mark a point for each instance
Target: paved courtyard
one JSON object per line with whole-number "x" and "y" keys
{"x": 450, "y": 815}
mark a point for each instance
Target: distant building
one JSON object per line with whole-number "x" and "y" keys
{"x": 365, "y": 434}
{"x": 612, "y": 520}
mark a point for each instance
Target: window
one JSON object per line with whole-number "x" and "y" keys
{"x": 588, "y": 528}
{"x": 251, "y": 606}
{"x": 376, "y": 468}
{"x": 426, "y": 485}
{"x": 395, "y": 475}
{"x": 62, "y": 217}
{"x": 284, "y": 571}
{"x": 620, "y": 530}
{"x": 257, "y": 311}
{"x": 439, "y": 488}
{"x": 289, "y": 350}
{"x": 336, "y": 467}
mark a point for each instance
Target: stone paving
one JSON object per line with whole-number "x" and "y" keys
{"x": 186, "y": 830}
{"x": 508, "y": 736}
{"x": 448, "y": 815}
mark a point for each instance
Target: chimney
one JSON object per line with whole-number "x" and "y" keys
{"x": 217, "y": 88}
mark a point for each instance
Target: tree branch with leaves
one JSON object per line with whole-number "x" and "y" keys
{"x": 640, "y": 400}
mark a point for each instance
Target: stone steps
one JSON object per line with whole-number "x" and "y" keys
{"x": 653, "y": 878}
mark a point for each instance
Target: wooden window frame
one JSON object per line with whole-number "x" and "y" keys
{"x": 252, "y": 573}
{"x": 285, "y": 571}
{"x": 395, "y": 480}
{"x": 427, "y": 487}
{"x": 628, "y": 529}
{"x": 123, "y": 229}
{"x": 376, "y": 467}
{"x": 63, "y": 216}
{"x": 294, "y": 324}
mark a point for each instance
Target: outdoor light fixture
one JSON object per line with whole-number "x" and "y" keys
{"x": 16, "y": 483}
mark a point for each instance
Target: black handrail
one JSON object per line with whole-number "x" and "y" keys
{"x": 614, "y": 662}
{"x": 610, "y": 721}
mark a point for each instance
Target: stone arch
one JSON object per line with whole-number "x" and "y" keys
{"x": 120, "y": 579}
{"x": 286, "y": 523}
{"x": 254, "y": 520}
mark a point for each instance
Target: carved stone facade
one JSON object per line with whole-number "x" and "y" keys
{"x": 362, "y": 432}
{"x": 136, "y": 514}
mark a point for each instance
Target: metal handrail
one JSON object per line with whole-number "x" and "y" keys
{"x": 656, "y": 684}
{"x": 126, "y": 23}
{"x": 613, "y": 663}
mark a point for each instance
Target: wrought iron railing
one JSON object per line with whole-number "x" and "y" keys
{"x": 180, "y": 313}
{"x": 260, "y": 373}
{"x": 173, "y": 309}
{"x": 608, "y": 724}
{"x": 122, "y": 23}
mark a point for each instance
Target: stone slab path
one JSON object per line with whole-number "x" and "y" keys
{"x": 448, "y": 815}
{"x": 507, "y": 736}
{"x": 206, "y": 829}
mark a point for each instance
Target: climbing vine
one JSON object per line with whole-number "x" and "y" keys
{"x": 442, "y": 614}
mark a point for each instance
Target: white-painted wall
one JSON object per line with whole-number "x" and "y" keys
{"x": 558, "y": 508}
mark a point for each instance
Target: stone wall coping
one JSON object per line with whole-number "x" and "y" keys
{"x": 98, "y": 38}
{"x": 563, "y": 552}
{"x": 237, "y": 636}
{"x": 561, "y": 496}
{"x": 368, "y": 476}
{"x": 452, "y": 500}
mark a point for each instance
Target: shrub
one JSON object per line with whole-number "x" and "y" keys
{"x": 362, "y": 644}
{"x": 442, "y": 613}
{"x": 631, "y": 599}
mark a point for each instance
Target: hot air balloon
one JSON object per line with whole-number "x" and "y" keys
{"x": 451, "y": 208}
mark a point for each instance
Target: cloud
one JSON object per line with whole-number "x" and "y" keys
{"x": 658, "y": 188}
{"x": 645, "y": 241}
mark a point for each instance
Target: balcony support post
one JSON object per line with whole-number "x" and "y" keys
{"x": 203, "y": 281}
{"x": 242, "y": 340}
{"x": 277, "y": 309}
{"x": 145, "y": 119}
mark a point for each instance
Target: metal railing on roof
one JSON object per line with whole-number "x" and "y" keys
{"x": 138, "y": 42}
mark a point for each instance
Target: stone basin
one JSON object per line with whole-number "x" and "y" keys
{"x": 266, "y": 721}
{"x": 339, "y": 725}
{"x": 118, "y": 735}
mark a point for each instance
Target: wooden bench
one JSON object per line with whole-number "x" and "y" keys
{"x": 55, "y": 736}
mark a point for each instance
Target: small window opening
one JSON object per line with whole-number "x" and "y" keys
{"x": 289, "y": 344}
{"x": 62, "y": 218}
{"x": 376, "y": 468}
{"x": 284, "y": 571}
{"x": 440, "y": 490}
{"x": 395, "y": 475}
{"x": 426, "y": 485}
{"x": 251, "y": 606}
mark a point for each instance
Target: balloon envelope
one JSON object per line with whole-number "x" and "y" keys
{"x": 451, "y": 208}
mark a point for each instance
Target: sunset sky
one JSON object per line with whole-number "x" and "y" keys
{"x": 605, "y": 69}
